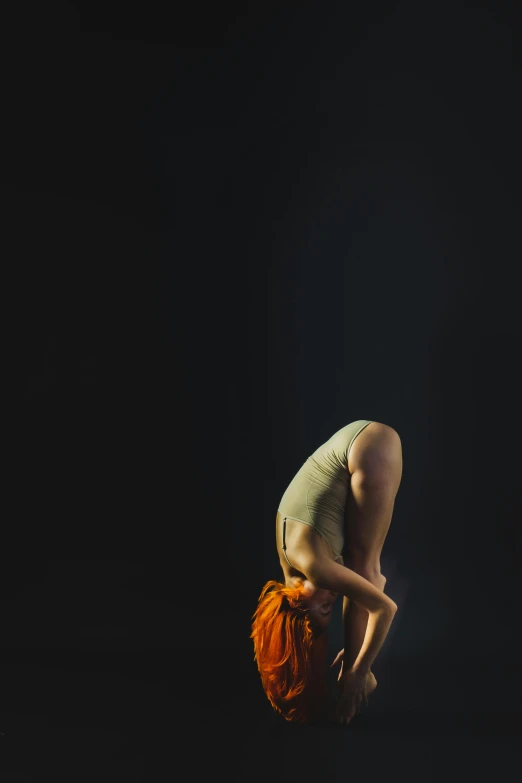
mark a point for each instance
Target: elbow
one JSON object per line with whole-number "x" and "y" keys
{"x": 389, "y": 608}
{"x": 385, "y": 609}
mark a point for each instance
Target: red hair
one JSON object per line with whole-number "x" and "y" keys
{"x": 290, "y": 654}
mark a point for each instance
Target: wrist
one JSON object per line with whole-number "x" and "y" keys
{"x": 361, "y": 670}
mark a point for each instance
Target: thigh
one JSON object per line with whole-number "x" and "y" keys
{"x": 375, "y": 465}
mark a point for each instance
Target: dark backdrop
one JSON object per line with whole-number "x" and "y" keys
{"x": 232, "y": 230}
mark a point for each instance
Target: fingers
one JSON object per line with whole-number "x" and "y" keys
{"x": 346, "y": 712}
{"x": 337, "y": 658}
{"x": 348, "y": 708}
{"x": 345, "y": 718}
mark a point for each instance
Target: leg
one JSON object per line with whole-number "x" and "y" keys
{"x": 375, "y": 464}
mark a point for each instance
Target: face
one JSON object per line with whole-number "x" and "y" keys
{"x": 319, "y": 603}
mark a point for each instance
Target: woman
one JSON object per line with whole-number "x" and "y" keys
{"x": 330, "y": 529}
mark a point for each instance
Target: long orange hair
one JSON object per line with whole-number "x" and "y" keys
{"x": 290, "y": 654}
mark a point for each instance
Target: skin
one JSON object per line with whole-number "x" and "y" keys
{"x": 319, "y": 601}
{"x": 375, "y": 471}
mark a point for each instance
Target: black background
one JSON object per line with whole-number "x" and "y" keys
{"x": 232, "y": 229}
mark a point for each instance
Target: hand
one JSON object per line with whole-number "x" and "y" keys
{"x": 338, "y": 657}
{"x": 371, "y": 682}
{"x": 353, "y": 686}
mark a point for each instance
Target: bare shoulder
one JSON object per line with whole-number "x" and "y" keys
{"x": 328, "y": 574}
{"x": 303, "y": 544}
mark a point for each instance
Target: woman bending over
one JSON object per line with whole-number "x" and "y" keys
{"x": 331, "y": 525}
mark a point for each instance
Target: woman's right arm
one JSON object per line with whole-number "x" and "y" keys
{"x": 324, "y": 572}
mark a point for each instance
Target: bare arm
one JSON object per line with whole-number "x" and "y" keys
{"x": 355, "y": 623}
{"x": 324, "y": 572}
